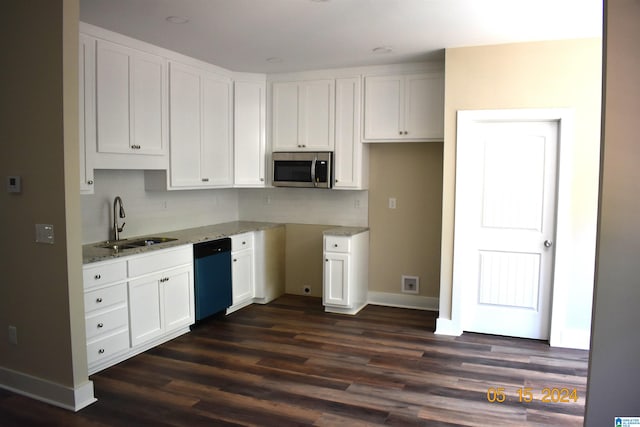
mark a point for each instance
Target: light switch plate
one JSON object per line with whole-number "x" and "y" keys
{"x": 44, "y": 233}
{"x": 14, "y": 184}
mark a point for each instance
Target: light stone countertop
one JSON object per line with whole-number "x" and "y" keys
{"x": 91, "y": 253}
{"x": 345, "y": 231}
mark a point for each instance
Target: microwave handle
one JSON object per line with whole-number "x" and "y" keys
{"x": 313, "y": 171}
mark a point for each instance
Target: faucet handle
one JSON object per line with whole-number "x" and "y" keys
{"x": 121, "y": 228}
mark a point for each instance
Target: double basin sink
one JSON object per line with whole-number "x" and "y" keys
{"x": 120, "y": 245}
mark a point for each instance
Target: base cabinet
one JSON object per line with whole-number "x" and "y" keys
{"x": 345, "y": 274}
{"x": 134, "y": 303}
{"x": 242, "y": 271}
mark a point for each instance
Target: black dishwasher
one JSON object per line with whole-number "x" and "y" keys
{"x": 212, "y": 276}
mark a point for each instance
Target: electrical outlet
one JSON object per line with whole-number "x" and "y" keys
{"x": 356, "y": 204}
{"x": 410, "y": 284}
{"x": 392, "y": 202}
{"x": 307, "y": 290}
{"x": 13, "y": 335}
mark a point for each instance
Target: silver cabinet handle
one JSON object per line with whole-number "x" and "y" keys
{"x": 90, "y": 182}
{"x": 101, "y": 351}
{"x": 97, "y": 277}
{"x": 100, "y": 325}
{"x": 98, "y": 300}
{"x": 548, "y": 243}
{"x": 205, "y": 179}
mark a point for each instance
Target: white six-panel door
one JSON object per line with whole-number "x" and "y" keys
{"x": 505, "y": 226}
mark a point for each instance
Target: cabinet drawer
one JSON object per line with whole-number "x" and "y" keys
{"x": 106, "y": 322}
{"x": 107, "y": 347}
{"x": 103, "y": 273}
{"x": 241, "y": 241}
{"x": 337, "y": 244}
{"x": 105, "y": 297}
{"x": 160, "y": 260}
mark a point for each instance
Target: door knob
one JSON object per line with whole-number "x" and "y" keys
{"x": 548, "y": 243}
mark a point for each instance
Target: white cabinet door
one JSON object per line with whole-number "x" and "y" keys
{"x": 242, "y": 276}
{"x": 383, "y": 103}
{"x": 424, "y": 106}
{"x": 317, "y": 115}
{"x": 86, "y": 111}
{"x": 404, "y": 108}
{"x": 303, "y": 115}
{"x": 177, "y": 292}
{"x": 129, "y": 100}
{"x": 145, "y": 309}
{"x": 350, "y": 160}
{"x": 217, "y": 148}
{"x": 285, "y": 101}
{"x": 336, "y": 279}
{"x": 184, "y": 125}
{"x": 200, "y": 128}
{"x": 249, "y": 134}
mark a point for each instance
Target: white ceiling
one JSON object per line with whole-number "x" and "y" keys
{"x": 241, "y": 35}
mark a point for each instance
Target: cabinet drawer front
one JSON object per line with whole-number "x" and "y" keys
{"x": 336, "y": 244}
{"x": 241, "y": 241}
{"x": 107, "y": 347}
{"x": 102, "y": 274}
{"x": 106, "y": 322}
{"x": 160, "y": 260}
{"x": 105, "y": 297}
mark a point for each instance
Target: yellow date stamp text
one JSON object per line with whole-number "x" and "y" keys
{"x": 525, "y": 394}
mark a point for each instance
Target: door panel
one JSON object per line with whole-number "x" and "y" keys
{"x": 505, "y": 211}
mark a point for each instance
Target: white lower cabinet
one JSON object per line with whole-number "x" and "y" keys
{"x": 345, "y": 274}
{"x": 160, "y": 303}
{"x": 136, "y": 302}
{"x": 242, "y": 271}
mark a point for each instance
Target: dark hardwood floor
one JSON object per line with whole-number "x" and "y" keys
{"x": 289, "y": 363}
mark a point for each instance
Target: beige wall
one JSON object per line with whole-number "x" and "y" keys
{"x": 405, "y": 240}
{"x": 555, "y": 74}
{"x": 303, "y": 258}
{"x": 613, "y": 374}
{"x": 41, "y": 291}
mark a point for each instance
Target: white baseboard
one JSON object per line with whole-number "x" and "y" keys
{"x": 573, "y": 338}
{"x": 447, "y": 327}
{"x": 46, "y": 391}
{"x": 416, "y": 302}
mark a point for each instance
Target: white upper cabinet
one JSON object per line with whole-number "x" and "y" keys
{"x": 129, "y": 100}
{"x": 86, "y": 119}
{"x": 249, "y": 133}
{"x": 404, "y": 108}
{"x": 200, "y": 128}
{"x": 303, "y": 115}
{"x": 351, "y": 156}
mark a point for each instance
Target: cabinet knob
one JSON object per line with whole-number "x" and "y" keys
{"x": 261, "y": 179}
{"x": 235, "y": 260}
{"x": 101, "y": 351}
{"x": 406, "y": 133}
{"x": 98, "y": 300}
{"x": 326, "y": 260}
{"x": 97, "y": 277}
{"x": 100, "y": 325}
{"x": 90, "y": 182}
{"x": 205, "y": 179}
{"x": 335, "y": 245}
{"x": 400, "y": 133}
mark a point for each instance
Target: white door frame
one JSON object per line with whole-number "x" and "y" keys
{"x": 561, "y": 275}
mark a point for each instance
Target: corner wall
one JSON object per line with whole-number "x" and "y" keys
{"x": 555, "y": 74}
{"x": 612, "y": 388}
{"x": 41, "y": 292}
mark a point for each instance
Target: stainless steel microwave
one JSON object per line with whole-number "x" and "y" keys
{"x": 302, "y": 169}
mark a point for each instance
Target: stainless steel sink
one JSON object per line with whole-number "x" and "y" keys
{"x": 132, "y": 244}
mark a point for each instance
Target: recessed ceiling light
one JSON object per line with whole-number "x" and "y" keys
{"x": 382, "y": 49}
{"x": 274, "y": 60}
{"x": 178, "y": 19}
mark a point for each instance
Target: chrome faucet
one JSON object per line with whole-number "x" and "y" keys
{"x": 117, "y": 229}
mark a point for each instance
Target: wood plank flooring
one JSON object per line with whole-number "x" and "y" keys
{"x": 290, "y": 364}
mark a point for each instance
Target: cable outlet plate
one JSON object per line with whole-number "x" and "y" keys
{"x": 410, "y": 284}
